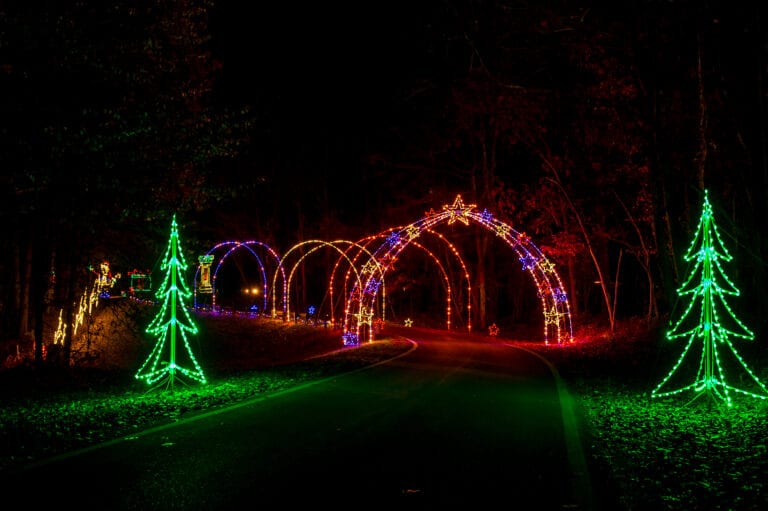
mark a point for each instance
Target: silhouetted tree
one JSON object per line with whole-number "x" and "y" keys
{"x": 107, "y": 105}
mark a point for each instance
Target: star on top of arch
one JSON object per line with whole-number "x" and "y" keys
{"x": 458, "y": 211}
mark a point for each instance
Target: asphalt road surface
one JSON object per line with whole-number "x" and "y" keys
{"x": 453, "y": 423}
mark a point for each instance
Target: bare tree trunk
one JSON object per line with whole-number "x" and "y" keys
{"x": 302, "y": 295}
{"x": 669, "y": 244}
{"x": 616, "y": 285}
{"x": 572, "y": 283}
{"x": 480, "y": 282}
{"x": 483, "y": 191}
{"x": 37, "y": 287}
{"x": 644, "y": 260}
{"x": 15, "y": 293}
{"x": 588, "y": 242}
{"x": 24, "y": 291}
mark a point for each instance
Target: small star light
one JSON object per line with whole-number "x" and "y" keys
{"x": 372, "y": 286}
{"x": 350, "y": 339}
{"x": 311, "y": 310}
{"x": 547, "y": 266}
{"x": 529, "y": 262}
{"x": 409, "y": 322}
{"x": 369, "y": 267}
{"x": 412, "y": 231}
{"x": 502, "y": 230}
{"x": 458, "y": 211}
{"x": 365, "y": 317}
{"x": 552, "y": 316}
{"x": 393, "y": 239}
{"x": 493, "y": 330}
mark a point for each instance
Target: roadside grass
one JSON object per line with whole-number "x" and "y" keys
{"x": 674, "y": 453}
{"x": 49, "y": 411}
{"x": 644, "y": 453}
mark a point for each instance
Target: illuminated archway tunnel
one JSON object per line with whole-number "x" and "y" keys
{"x": 442, "y": 272}
{"x": 206, "y": 281}
{"x": 553, "y": 299}
{"x": 312, "y": 246}
{"x": 367, "y": 262}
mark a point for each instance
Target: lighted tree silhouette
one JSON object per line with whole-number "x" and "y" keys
{"x": 167, "y": 324}
{"x": 709, "y": 319}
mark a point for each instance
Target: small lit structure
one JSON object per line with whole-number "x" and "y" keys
{"x": 141, "y": 282}
{"x": 204, "y": 285}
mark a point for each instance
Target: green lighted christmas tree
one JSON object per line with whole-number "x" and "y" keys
{"x": 167, "y": 326}
{"x": 708, "y": 322}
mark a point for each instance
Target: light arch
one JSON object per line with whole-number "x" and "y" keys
{"x": 550, "y": 290}
{"x": 231, "y": 247}
{"x": 453, "y": 250}
{"x": 316, "y": 245}
{"x": 362, "y": 246}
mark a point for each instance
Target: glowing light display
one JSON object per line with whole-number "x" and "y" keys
{"x": 230, "y": 248}
{"x": 88, "y": 300}
{"x": 104, "y": 278}
{"x": 493, "y": 330}
{"x": 316, "y": 245}
{"x": 458, "y": 211}
{"x": 368, "y": 261}
{"x": 708, "y": 319}
{"x": 413, "y": 232}
{"x": 408, "y": 322}
{"x": 204, "y": 286}
{"x": 167, "y": 324}
{"x": 550, "y": 290}
{"x": 370, "y": 266}
{"x": 141, "y": 281}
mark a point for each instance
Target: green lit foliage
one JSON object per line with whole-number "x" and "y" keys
{"x": 708, "y": 319}
{"x": 167, "y": 325}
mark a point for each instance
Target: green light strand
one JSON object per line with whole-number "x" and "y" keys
{"x": 708, "y": 287}
{"x": 166, "y": 324}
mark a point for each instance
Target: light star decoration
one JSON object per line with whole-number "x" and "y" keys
{"x": 493, "y": 330}
{"x": 409, "y": 322}
{"x": 458, "y": 211}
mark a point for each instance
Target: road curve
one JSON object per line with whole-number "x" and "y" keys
{"x": 452, "y": 422}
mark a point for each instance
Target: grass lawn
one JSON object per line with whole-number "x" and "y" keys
{"x": 672, "y": 453}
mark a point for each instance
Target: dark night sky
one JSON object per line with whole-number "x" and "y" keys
{"x": 324, "y": 81}
{"x": 327, "y": 80}
{"x": 317, "y": 63}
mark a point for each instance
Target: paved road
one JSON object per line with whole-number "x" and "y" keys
{"x": 452, "y": 423}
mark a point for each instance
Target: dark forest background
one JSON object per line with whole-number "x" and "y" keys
{"x": 593, "y": 130}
